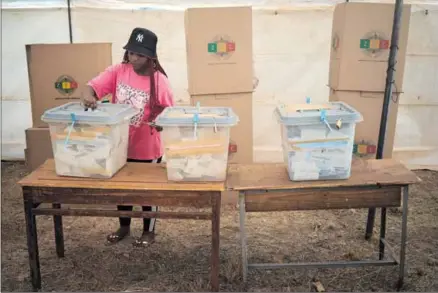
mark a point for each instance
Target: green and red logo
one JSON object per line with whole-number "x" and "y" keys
{"x": 66, "y": 85}
{"x": 364, "y": 149}
{"x": 222, "y": 46}
{"x": 374, "y": 43}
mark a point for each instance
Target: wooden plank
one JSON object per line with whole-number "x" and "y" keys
{"x": 132, "y": 214}
{"x": 308, "y": 107}
{"x": 134, "y": 176}
{"x": 315, "y": 199}
{"x": 119, "y": 197}
{"x": 275, "y": 176}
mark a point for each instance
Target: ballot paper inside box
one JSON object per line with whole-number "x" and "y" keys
{"x": 92, "y": 143}
{"x": 196, "y": 142}
{"x": 318, "y": 140}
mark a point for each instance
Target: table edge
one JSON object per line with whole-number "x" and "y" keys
{"x": 220, "y": 188}
{"x": 328, "y": 186}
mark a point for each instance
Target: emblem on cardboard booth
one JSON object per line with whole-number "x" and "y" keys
{"x": 66, "y": 85}
{"x": 374, "y": 44}
{"x": 232, "y": 148}
{"x": 222, "y": 47}
{"x": 364, "y": 148}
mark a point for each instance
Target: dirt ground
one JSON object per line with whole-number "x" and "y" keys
{"x": 179, "y": 260}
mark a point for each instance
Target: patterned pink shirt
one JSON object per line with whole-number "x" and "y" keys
{"x": 127, "y": 87}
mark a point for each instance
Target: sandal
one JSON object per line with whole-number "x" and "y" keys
{"x": 145, "y": 240}
{"x": 118, "y": 235}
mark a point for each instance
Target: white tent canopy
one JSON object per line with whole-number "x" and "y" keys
{"x": 291, "y": 58}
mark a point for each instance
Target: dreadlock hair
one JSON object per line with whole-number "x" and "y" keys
{"x": 153, "y": 65}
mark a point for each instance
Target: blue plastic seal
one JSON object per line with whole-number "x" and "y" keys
{"x": 323, "y": 115}
{"x": 73, "y": 119}
{"x": 196, "y": 120}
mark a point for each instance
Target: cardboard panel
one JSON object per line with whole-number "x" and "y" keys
{"x": 219, "y": 50}
{"x": 370, "y": 104}
{"x": 58, "y": 73}
{"x": 337, "y": 28}
{"x": 361, "y": 36}
{"x": 242, "y": 133}
{"x": 39, "y": 147}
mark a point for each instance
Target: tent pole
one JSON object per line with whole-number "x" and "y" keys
{"x": 392, "y": 60}
{"x": 69, "y": 21}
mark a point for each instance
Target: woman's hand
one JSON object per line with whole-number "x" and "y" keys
{"x": 158, "y": 128}
{"x": 153, "y": 125}
{"x": 89, "y": 98}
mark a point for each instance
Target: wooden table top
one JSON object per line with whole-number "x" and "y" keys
{"x": 265, "y": 176}
{"x": 133, "y": 176}
{"x": 275, "y": 176}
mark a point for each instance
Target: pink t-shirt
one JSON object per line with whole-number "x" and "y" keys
{"x": 127, "y": 87}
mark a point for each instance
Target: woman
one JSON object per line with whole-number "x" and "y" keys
{"x": 139, "y": 81}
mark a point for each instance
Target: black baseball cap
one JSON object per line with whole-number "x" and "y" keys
{"x": 142, "y": 41}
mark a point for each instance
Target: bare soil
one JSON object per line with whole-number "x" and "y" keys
{"x": 179, "y": 259}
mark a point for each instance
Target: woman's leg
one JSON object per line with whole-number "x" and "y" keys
{"x": 125, "y": 223}
{"x": 148, "y": 236}
{"x": 149, "y": 224}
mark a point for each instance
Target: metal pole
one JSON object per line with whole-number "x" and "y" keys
{"x": 403, "y": 238}
{"x": 388, "y": 95}
{"x": 69, "y": 21}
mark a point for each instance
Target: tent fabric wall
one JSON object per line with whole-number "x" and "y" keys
{"x": 291, "y": 58}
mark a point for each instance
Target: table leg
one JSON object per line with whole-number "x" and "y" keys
{"x": 215, "y": 234}
{"x": 59, "y": 233}
{"x": 243, "y": 236}
{"x": 382, "y": 233}
{"x": 32, "y": 244}
{"x": 405, "y": 194}
{"x": 370, "y": 223}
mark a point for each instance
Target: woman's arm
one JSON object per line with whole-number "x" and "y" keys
{"x": 165, "y": 95}
{"x": 105, "y": 83}
{"x": 89, "y": 98}
{"x": 100, "y": 86}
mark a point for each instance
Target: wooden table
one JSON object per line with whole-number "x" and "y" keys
{"x": 374, "y": 183}
{"x": 135, "y": 184}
